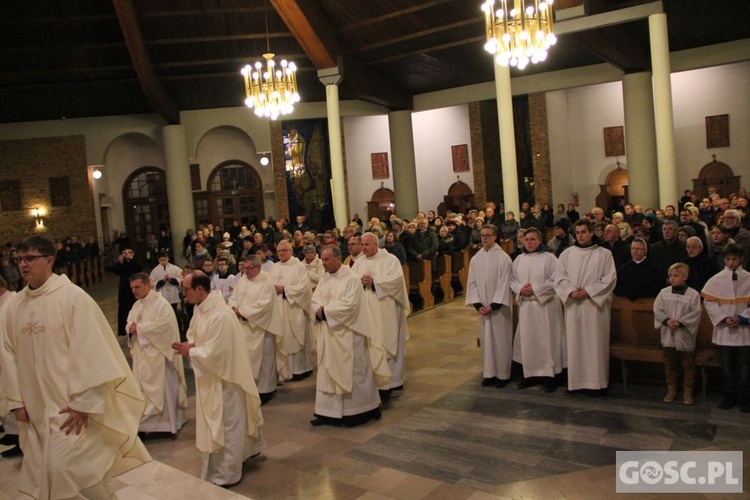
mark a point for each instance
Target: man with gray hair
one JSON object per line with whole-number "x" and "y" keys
{"x": 670, "y": 250}
{"x": 732, "y": 220}
{"x": 254, "y": 303}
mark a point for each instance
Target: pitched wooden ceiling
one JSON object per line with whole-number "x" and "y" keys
{"x": 82, "y": 58}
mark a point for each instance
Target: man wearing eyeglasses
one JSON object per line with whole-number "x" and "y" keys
{"x": 68, "y": 384}
{"x": 254, "y": 303}
{"x": 228, "y": 419}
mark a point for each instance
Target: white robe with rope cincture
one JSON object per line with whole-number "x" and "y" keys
{"x": 228, "y": 418}
{"x": 264, "y": 333}
{"x": 63, "y": 353}
{"x": 723, "y": 298}
{"x": 388, "y": 301}
{"x": 296, "y": 313}
{"x": 587, "y": 320}
{"x": 159, "y": 371}
{"x": 8, "y": 420}
{"x": 351, "y": 364}
{"x": 489, "y": 282}
{"x": 539, "y": 343}
{"x": 685, "y": 308}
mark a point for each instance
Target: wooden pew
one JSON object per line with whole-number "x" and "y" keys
{"x": 507, "y": 246}
{"x": 459, "y": 267}
{"x": 420, "y": 281}
{"x": 444, "y": 267}
{"x": 405, "y": 271}
{"x": 634, "y": 338}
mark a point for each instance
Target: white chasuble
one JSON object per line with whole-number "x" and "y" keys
{"x": 155, "y": 364}
{"x": 63, "y": 353}
{"x": 296, "y": 312}
{"x": 539, "y": 343}
{"x": 587, "y": 320}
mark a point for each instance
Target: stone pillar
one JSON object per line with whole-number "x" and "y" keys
{"x": 663, "y": 114}
{"x": 331, "y": 78}
{"x": 404, "y": 164}
{"x": 179, "y": 190}
{"x": 540, "y": 156}
{"x": 507, "y": 138}
{"x": 640, "y": 140}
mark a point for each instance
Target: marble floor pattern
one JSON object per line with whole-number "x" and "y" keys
{"x": 444, "y": 437}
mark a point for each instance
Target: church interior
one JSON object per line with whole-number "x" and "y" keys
{"x": 128, "y": 116}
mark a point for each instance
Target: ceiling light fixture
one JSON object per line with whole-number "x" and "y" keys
{"x": 273, "y": 91}
{"x": 519, "y": 32}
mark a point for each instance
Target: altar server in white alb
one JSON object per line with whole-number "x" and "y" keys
{"x": 254, "y": 302}
{"x": 10, "y": 424}
{"x": 540, "y": 336}
{"x": 388, "y": 300}
{"x": 152, "y": 329}
{"x": 586, "y": 277}
{"x": 228, "y": 419}
{"x": 166, "y": 279}
{"x": 488, "y": 291}
{"x": 351, "y": 364}
{"x": 68, "y": 384}
{"x": 294, "y": 292}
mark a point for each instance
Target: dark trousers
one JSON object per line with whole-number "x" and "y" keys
{"x": 736, "y": 364}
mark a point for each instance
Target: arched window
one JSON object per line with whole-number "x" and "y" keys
{"x": 146, "y": 207}
{"x": 235, "y": 192}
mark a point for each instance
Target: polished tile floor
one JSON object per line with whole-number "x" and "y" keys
{"x": 445, "y": 436}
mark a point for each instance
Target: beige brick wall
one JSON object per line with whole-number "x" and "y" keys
{"x": 540, "y": 148}
{"x": 33, "y": 162}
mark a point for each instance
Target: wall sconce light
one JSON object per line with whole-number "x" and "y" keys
{"x": 39, "y": 217}
{"x": 264, "y": 159}
{"x": 96, "y": 171}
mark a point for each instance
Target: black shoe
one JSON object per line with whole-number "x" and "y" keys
{"x": 399, "y": 388}
{"x": 728, "y": 402}
{"x": 596, "y": 393}
{"x": 500, "y": 383}
{"x": 385, "y": 395}
{"x": 550, "y": 386}
{"x": 229, "y": 485}
{"x": 265, "y": 397}
{"x": 526, "y": 383}
{"x": 489, "y": 381}
{"x": 334, "y": 422}
{"x": 2, "y": 429}
{"x": 9, "y": 440}
{"x": 13, "y": 452}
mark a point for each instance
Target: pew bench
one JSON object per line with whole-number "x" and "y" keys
{"x": 634, "y": 338}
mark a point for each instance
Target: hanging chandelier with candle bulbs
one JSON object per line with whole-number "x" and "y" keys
{"x": 519, "y": 32}
{"x": 271, "y": 90}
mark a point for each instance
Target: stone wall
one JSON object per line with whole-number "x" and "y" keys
{"x": 32, "y": 163}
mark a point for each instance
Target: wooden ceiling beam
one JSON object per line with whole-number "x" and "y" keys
{"x": 394, "y": 14}
{"x": 218, "y": 38}
{"x": 155, "y": 93}
{"x": 418, "y": 34}
{"x": 317, "y": 37}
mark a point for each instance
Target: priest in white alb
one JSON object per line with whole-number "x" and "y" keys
{"x": 586, "y": 277}
{"x": 254, "y": 302}
{"x": 68, "y": 384}
{"x": 387, "y": 299}
{"x": 228, "y": 419}
{"x": 152, "y": 329}
{"x": 488, "y": 291}
{"x": 294, "y": 292}
{"x": 351, "y": 363}
{"x": 539, "y": 344}
{"x": 10, "y": 424}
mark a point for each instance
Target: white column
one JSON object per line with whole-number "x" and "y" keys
{"x": 179, "y": 190}
{"x": 663, "y": 115}
{"x": 640, "y": 140}
{"x": 331, "y": 78}
{"x": 404, "y": 164}
{"x": 507, "y": 138}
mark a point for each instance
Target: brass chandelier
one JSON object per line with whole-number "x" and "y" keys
{"x": 271, "y": 91}
{"x": 519, "y": 32}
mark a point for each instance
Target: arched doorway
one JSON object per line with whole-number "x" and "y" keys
{"x": 235, "y": 191}
{"x": 614, "y": 190}
{"x": 382, "y": 204}
{"x": 719, "y": 175}
{"x": 459, "y": 199}
{"x": 146, "y": 208}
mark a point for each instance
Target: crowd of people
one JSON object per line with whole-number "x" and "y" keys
{"x": 259, "y": 306}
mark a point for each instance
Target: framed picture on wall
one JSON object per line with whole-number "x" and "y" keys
{"x": 379, "y": 165}
{"x": 717, "y": 131}
{"x": 614, "y": 141}
{"x": 460, "y": 154}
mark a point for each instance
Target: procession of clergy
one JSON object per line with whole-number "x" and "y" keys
{"x": 81, "y": 409}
